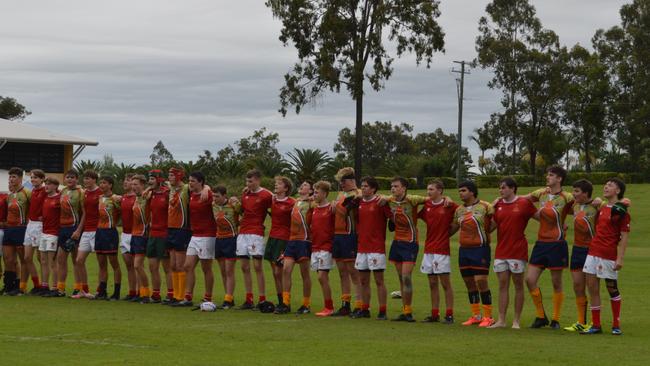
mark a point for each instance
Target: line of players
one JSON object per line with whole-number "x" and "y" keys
{"x": 180, "y": 225}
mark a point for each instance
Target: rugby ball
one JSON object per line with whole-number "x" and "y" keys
{"x": 208, "y": 306}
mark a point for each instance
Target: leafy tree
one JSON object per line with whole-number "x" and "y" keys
{"x": 271, "y": 167}
{"x": 12, "y": 110}
{"x": 336, "y": 40}
{"x": 161, "y": 157}
{"x": 259, "y": 144}
{"x": 485, "y": 141}
{"x": 308, "y": 164}
{"x": 82, "y": 165}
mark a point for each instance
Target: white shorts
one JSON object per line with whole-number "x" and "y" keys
{"x": 203, "y": 247}
{"x": 48, "y": 243}
{"x": 250, "y": 245}
{"x": 512, "y": 265}
{"x": 370, "y": 261}
{"x": 2, "y": 236}
{"x": 321, "y": 261}
{"x": 33, "y": 233}
{"x": 87, "y": 241}
{"x": 125, "y": 243}
{"x": 435, "y": 264}
{"x": 602, "y": 268}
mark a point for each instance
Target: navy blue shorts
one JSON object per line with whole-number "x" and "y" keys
{"x": 138, "y": 245}
{"x": 403, "y": 251}
{"x": 474, "y": 261}
{"x": 65, "y": 233}
{"x": 179, "y": 239}
{"x": 578, "y": 258}
{"x": 344, "y": 247}
{"x": 299, "y": 250}
{"x": 14, "y": 236}
{"x": 106, "y": 241}
{"x": 226, "y": 248}
{"x": 554, "y": 255}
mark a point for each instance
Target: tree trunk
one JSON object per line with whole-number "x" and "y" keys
{"x": 533, "y": 166}
{"x": 358, "y": 137}
{"x": 587, "y": 159}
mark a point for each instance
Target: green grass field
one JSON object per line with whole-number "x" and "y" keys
{"x": 36, "y": 330}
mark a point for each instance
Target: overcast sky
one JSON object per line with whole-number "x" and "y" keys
{"x": 200, "y": 74}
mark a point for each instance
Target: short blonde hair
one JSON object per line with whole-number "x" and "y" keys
{"x": 343, "y": 173}
{"x": 322, "y": 185}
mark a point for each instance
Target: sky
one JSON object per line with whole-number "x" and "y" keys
{"x": 200, "y": 74}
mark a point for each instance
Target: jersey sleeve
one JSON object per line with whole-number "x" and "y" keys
{"x": 415, "y": 199}
{"x": 536, "y": 194}
{"x": 531, "y": 210}
{"x": 625, "y": 223}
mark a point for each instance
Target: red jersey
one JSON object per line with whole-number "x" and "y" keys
{"x": 281, "y": 218}
{"x": 371, "y": 228}
{"x": 438, "y": 218}
{"x": 91, "y": 205}
{"x": 512, "y": 219}
{"x": 322, "y": 228}
{"x": 158, "y": 206}
{"x": 36, "y": 204}
{"x": 51, "y": 213}
{"x": 254, "y": 206}
{"x": 127, "y": 212}
{"x": 201, "y": 219}
{"x": 3, "y": 208}
{"x": 608, "y": 233}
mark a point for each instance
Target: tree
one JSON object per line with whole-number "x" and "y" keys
{"x": 485, "y": 141}
{"x": 308, "y": 164}
{"x": 337, "y": 39}
{"x": 259, "y": 144}
{"x": 161, "y": 157}
{"x": 82, "y": 165}
{"x": 12, "y": 110}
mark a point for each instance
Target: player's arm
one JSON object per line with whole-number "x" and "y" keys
{"x": 453, "y": 228}
{"x": 205, "y": 193}
{"x": 622, "y": 246}
{"x": 77, "y": 233}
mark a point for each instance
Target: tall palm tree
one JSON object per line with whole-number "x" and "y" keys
{"x": 83, "y": 165}
{"x": 308, "y": 164}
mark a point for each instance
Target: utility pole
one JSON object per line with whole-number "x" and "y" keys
{"x": 460, "y": 84}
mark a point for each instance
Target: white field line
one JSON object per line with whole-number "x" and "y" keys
{"x": 60, "y": 338}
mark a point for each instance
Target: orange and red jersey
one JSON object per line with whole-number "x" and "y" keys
{"x": 553, "y": 209}
{"x": 51, "y": 214}
{"x": 18, "y": 207}
{"x": 109, "y": 212}
{"x": 201, "y": 219}
{"x": 608, "y": 233}
{"x": 254, "y": 208}
{"x": 511, "y": 219}
{"x": 140, "y": 217}
{"x": 584, "y": 223}
{"x": 372, "y": 226}
{"x": 158, "y": 205}
{"x": 345, "y": 222}
{"x": 3, "y": 209}
{"x": 404, "y": 214}
{"x": 300, "y": 220}
{"x": 72, "y": 201}
{"x": 36, "y": 204}
{"x": 322, "y": 228}
{"x": 178, "y": 207}
{"x": 437, "y": 217}
{"x": 127, "y": 212}
{"x": 474, "y": 222}
{"x": 226, "y": 217}
{"x": 91, "y": 205}
{"x": 281, "y": 218}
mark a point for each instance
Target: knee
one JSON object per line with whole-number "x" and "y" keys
{"x": 612, "y": 288}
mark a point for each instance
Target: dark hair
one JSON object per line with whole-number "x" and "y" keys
{"x": 52, "y": 180}
{"x": 371, "y": 182}
{"x": 471, "y": 186}
{"x": 16, "y": 171}
{"x": 401, "y": 180}
{"x": 129, "y": 176}
{"x": 585, "y": 186}
{"x": 107, "y": 179}
{"x": 221, "y": 189}
{"x": 287, "y": 183}
{"x": 438, "y": 184}
{"x": 253, "y": 173}
{"x": 510, "y": 182}
{"x": 559, "y": 171}
{"x": 38, "y": 173}
{"x": 198, "y": 176}
{"x": 311, "y": 186}
{"x": 91, "y": 174}
{"x": 72, "y": 173}
{"x": 620, "y": 184}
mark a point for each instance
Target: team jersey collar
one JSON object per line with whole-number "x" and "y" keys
{"x": 513, "y": 200}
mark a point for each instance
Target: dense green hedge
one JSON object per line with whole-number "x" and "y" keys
{"x": 492, "y": 181}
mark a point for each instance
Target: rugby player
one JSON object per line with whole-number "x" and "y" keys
{"x": 89, "y": 221}
{"x": 157, "y": 245}
{"x": 107, "y": 239}
{"x": 48, "y": 243}
{"x": 139, "y": 237}
{"x": 14, "y": 233}
{"x": 126, "y": 210}
{"x": 322, "y": 231}
{"x": 34, "y": 232}
{"x": 72, "y": 208}
{"x": 473, "y": 221}
{"x": 226, "y": 217}
{"x": 3, "y": 221}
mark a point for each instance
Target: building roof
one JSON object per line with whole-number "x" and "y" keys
{"x": 21, "y": 132}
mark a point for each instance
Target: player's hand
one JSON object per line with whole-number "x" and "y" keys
{"x": 619, "y": 264}
{"x": 146, "y": 194}
{"x": 494, "y": 203}
{"x": 246, "y": 190}
{"x": 626, "y": 202}
{"x": 76, "y": 235}
{"x": 447, "y": 201}
{"x": 117, "y": 198}
{"x": 597, "y": 202}
{"x": 233, "y": 200}
{"x": 382, "y": 202}
{"x": 566, "y": 228}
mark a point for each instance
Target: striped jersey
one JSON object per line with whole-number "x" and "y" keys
{"x": 109, "y": 212}
{"x": 71, "y": 203}
{"x": 405, "y": 214}
{"x": 474, "y": 222}
{"x": 179, "y": 207}
{"x": 584, "y": 223}
{"x": 553, "y": 209}
{"x": 18, "y": 207}
{"x": 140, "y": 217}
{"x": 227, "y": 218}
{"x": 301, "y": 220}
{"x": 345, "y": 222}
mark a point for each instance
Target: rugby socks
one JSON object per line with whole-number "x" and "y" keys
{"x": 407, "y": 309}
{"x": 188, "y": 296}
{"x": 306, "y": 302}
{"x": 449, "y": 312}
{"x": 60, "y": 286}
{"x": 279, "y": 294}
{"x": 23, "y": 286}
{"x": 486, "y": 300}
{"x": 175, "y": 285}
{"x": 156, "y": 294}
{"x": 101, "y": 289}
{"x": 249, "y": 297}
{"x": 329, "y": 304}
{"x": 261, "y": 298}
{"x": 228, "y": 298}
{"x": 145, "y": 292}
{"x": 45, "y": 285}
{"x": 35, "y": 281}
{"x": 536, "y": 294}
{"x": 595, "y": 316}
{"x": 132, "y": 293}
{"x": 581, "y": 304}
{"x": 181, "y": 283}
{"x": 84, "y": 287}
{"x": 435, "y": 313}
{"x": 9, "y": 279}
{"x": 207, "y": 297}
{"x": 77, "y": 286}
{"x": 475, "y": 302}
{"x": 558, "y": 299}
{"x": 286, "y": 298}
{"x": 117, "y": 288}
{"x": 382, "y": 309}
{"x": 358, "y": 304}
{"x": 365, "y": 307}
{"x": 170, "y": 293}
{"x": 346, "y": 298}
{"x": 616, "y": 311}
